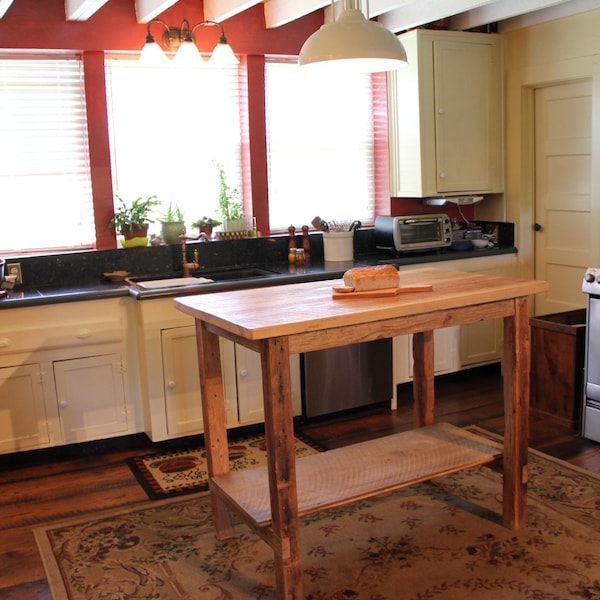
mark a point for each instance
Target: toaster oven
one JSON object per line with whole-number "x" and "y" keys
{"x": 414, "y": 232}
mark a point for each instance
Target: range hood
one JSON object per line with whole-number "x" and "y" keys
{"x": 458, "y": 200}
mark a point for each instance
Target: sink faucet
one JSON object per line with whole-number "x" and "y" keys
{"x": 188, "y": 267}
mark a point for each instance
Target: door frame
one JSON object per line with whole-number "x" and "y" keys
{"x": 520, "y": 145}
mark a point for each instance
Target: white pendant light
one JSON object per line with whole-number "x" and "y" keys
{"x": 152, "y": 55}
{"x": 182, "y": 40}
{"x": 222, "y": 55}
{"x": 187, "y": 55}
{"x": 353, "y": 43}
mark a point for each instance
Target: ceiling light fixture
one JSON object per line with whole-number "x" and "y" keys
{"x": 182, "y": 40}
{"x": 353, "y": 43}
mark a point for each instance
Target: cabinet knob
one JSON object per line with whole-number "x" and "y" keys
{"x": 443, "y": 175}
{"x": 243, "y": 373}
{"x": 4, "y": 342}
{"x": 82, "y": 334}
{"x": 63, "y": 404}
{"x": 441, "y": 111}
{"x": 171, "y": 385}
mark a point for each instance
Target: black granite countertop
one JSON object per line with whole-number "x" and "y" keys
{"x": 79, "y": 276}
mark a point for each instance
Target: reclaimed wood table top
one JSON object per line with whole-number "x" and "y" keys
{"x": 264, "y": 313}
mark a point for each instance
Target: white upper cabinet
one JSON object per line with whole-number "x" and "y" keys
{"x": 445, "y": 115}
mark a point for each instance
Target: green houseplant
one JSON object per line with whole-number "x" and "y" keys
{"x": 172, "y": 224}
{"x": 132, "y": 221}
{"x": 206, "y": 224}
{"x": 230, "y": 208}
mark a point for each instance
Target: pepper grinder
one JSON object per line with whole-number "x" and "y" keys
{"x": 305, "y": 243}
{"x": 292, "y": 244}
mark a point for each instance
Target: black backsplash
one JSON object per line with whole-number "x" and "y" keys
{"x": 80, "y": 268}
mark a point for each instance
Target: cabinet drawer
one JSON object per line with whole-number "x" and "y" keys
{"x": 13, "y": 341}
{"x": 62, "y": 325}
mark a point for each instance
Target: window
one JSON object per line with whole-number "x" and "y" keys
{"x": 168, "y": 126}
{"x": 325, "y": 137}
{"x": 45, "y": 189}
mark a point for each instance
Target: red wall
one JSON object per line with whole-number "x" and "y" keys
{"x": 41, "y": 24}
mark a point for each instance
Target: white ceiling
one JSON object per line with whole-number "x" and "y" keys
{"x": 396, "y": 15}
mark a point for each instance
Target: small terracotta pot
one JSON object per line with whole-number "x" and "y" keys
{"x": 136, "y": 231}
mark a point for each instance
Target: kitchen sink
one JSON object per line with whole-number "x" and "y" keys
{"x": 238, "y": 273}
{"x": 176, "y": 280}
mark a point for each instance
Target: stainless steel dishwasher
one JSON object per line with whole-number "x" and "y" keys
{"x": 339, "y": 379}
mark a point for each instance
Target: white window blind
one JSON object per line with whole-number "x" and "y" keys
{"x": 45, "y": 186}
{"x": 168, "y": 125}
{"x": 320, "y": 138}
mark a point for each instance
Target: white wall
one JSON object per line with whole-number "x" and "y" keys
{"x": 558, "y": 51}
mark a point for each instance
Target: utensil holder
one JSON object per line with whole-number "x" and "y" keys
{"x": 338, "y": 246}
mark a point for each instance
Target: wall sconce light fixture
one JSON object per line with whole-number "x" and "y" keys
{"x": 182, "y": 40}
{"x": 353, "y": 43}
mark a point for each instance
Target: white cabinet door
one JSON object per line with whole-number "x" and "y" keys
{"x": 91, "y": 397}
{"x": 445, "y": 342}
{"x": 249, "y": 385}
{"x": 481, "y": 342}
{"x": 182, "y": 396}
{"x": 467, "y": 132}
{"x": 445, "y": 115}
{"x": 23, "y": 420}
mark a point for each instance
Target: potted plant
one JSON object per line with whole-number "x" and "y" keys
{"x": 172, "y": 224}
{"x": 132, "y": 221}
{"x": 206, "y": 224}
{"x": 230, "y": 208}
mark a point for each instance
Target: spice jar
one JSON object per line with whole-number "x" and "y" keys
{"x": 300, "y": 256}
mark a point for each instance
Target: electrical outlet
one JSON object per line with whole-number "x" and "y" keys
{"x": 15, "y": 269}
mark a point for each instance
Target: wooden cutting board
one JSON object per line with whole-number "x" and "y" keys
{"x": 338, "y": 294}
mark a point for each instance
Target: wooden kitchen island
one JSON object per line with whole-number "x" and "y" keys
{"x": 283, "y": 320}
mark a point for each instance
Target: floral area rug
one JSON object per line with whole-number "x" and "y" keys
{"x": 436, "y": 540}
{"x": 185, "y": 471}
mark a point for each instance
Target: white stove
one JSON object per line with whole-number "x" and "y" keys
{"x": 591, "y": 396}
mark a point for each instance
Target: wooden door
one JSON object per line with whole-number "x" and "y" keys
{"x": 564, "y": 212}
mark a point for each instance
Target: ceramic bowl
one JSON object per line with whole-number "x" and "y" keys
{"x": 461, "y": 245}
{"x": 480, "y": 243}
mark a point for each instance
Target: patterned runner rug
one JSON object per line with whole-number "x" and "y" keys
{"x": 185, "y": 471}
{"x": 436, "y": 540}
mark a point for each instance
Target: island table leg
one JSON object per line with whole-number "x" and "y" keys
{"x": 423, "y": 379}
{"x": 215, "y": 422}
{"x": 281, "y": 457}
{"x": 516, "y": 369}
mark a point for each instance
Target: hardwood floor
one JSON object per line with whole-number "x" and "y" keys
{"x": 50, "y": 488}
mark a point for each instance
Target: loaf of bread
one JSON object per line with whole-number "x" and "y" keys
{"x": 378, "y": 277}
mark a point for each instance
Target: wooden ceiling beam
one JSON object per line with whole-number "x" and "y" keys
{"x": 522, "y": 13}
{"x": 281, "y": 12}
{"x": 4, "y": 6}
{"x": 82, "y": 10}
{"x": 420, "y": 12}
{"x": 146, "y": 10}
{"x": 220, "y": 10}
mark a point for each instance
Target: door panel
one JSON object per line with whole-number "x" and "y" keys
{"x": 91, "y": 397}
{"x": 563, "y": 204}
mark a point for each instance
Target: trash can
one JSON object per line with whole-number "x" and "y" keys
{"x": 557, "y": 363}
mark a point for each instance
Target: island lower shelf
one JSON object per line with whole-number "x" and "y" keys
{"x": 344, "y": 475}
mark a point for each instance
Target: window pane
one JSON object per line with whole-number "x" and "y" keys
{"x": 44, "y": 157}
{"x": 320, "y": 146}
{"x": 167, "y": 127}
